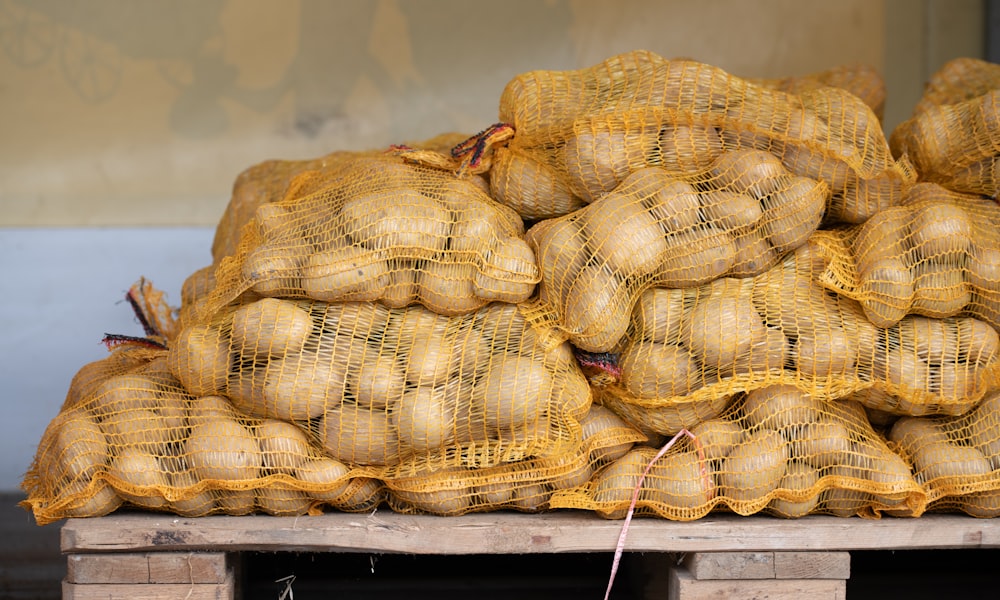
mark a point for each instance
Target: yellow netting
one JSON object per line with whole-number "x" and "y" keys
{"x": 937, "y": 255}
{"x": 959, "y": 80}
{"x": 686, "y": 350}
{"x": 375, "y": 227}
{"x": 579, "y": 134}
{"x": 775, "y": 450}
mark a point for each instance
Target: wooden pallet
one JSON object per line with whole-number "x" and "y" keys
{"x": 146, "y": 555}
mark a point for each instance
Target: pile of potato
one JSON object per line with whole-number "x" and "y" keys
{"x": 776, "y": 450}
{"x": 579, "y": 134}
{"x": 654, "y": 229}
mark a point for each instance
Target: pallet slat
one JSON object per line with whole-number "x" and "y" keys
{"x": 137, "y": 591}
{"x": 768, "y": 565}
{"x": 147, "y": 568}
{"x": 683, "y": 586}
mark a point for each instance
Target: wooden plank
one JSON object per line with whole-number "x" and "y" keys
{"x": 683, "y": 586}
{"x": 730, "y": 565}
{"x": 517, "y": 533}
{"x": 812, "y": 565}
{"x": 153, "y": 567}
{"x": 138, "y": 591}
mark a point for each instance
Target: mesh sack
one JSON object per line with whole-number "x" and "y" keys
{"x": 525, "y": 486}
{"x": 687, "y": 350}
{"x": 132, "y": 435}
{"x": 960, "y": 79}
{"x": 955, "y": 145}
{"x": 374, "y": 227}
{"x": 738, "y": 217}
{"x": 955, "y": 459}
{"x": 268, "y": 181}
{"x": 394, "y": 389}
{"x": 579, "y": 134}
{"x": 776, "y": 450}
{"x": 861, "y": 80}
{"x": 937, "y": 255}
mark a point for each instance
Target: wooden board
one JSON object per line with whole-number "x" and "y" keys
{"x": 683, "y": 586}
{"x": 768, "y": 565}
{"x": 517, "y": 533}
{"x": 151, "y": 567}
{"x": 163, "y": 591}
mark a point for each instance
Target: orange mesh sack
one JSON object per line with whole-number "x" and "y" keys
{"x": 937, "y": 255}
{"x": 394, "y": 389}
{"x": 579, "y": 134}
{"x": 738, "y": 217}
{"x": 955, "y": 145}
{"x": 524, "y": 486}
{"x": 864, "y": 81}
{"x": 687, "y": 350}
{"x": 776, "y": 450}
{"x": 373, "y": 227}
{"x": 956, "y": 460}
{"x": 130, "y": 434}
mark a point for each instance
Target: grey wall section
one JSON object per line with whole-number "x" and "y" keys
{"x": 63, "y": 290}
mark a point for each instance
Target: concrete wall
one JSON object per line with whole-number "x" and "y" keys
{"x": 124, "y": 122}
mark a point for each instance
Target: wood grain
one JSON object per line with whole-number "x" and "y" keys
{"x": 150, "y": 567}
{"x": 683, "y": 586}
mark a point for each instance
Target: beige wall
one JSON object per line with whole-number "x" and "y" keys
{"x": 128, "y": 112}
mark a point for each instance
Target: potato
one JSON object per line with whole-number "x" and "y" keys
{"x": 944, "y": 460}
{"x": 883, "y": 236}
{"x": 890, "y": 473}
{"x": 76, "y": 448}
{"x": 362, "y": 495}
{"x": 283, "y": 445}
{"x": 793, "y": 212}
{"x": 207, "y": 408}
{"x": 530, "y": 187}
{"x": 978, "y": 342}
{"x": 933, "y": 340}
{"x": 495, "y": 494}
{"x": 780, "y": 407}
{"x": 797, "y": 478}
{"x": 819, "y": 444}
{"x": 770, "y": 353}
{"x": 223, "y": 449}
{"x": 356, "y": 435}
{"x": 347, "y": 273}
{"x": 901, "y": 369}
{"x": 509, "y": 272}
{"x": 754, "y": 468}
{"x": 717, "y": 437}
{"x": 615, "y": 485}
{"x": 269, "y": 327}
{"x": 729, "y": 210}
{"x": 598, "y": 160}
{"x": 595, "y": 313}
{"x": 827, "y": 354}
{"x": 199, "y": 358}
{"x": 401, "y": 291}
{"x": 985, "y": 505}
{"x": 597, "y": 424}
{"x": 378, "y": 381}
{"x": 425, "y": 347}
{"x": 103, "y": 500}
{"x": 136, "y": 468}
{"x": 983, "y": 266}
{"x": 479, "y": 223}
{"x": 886, "y": 289}
{"x": 939, "y": 290}
{"x": 197, "y": 504}
{"x": 624, "y": 235}
{"x": 754, "y": 254}
{"x": 561, "y": 253}
{"x": 696, "y": 256}
{"x": 678, "y": 481}
{"x": 450, "y": 501}
{"x": 401, "y": 222}
{"x": 275, "y": 270}
{"x": 140, "y": 428}
{"x": 955, "y": 383}
{"x": 530, "y": 497}
{"x": 424, "y": 419}
{"x": 128, "y": 391}
{"x": 673, "y": 203}
{"x": 651, "y": 370}
{"x": 913, "y": 432}
{"x": 514, "y": 392}
{"x": 446, "y": 287}
{"x": 658, "y": 314}
{"x": 722, "y": 327}
{"x": 753, "y": 172}
{"x": 283, "y": 502}
{"x": 804, "y": 161}
{"x": 331, "y": 474}
{"x": 688, "y": 148}
{"x": 236, "y": 502}
{"x": 939, "y": 230}
{"x": 842, "y": 501}
{"x": 984, "y": 428}
{"x": 296, "y": 388}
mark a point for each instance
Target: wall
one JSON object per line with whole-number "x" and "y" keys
{"x": 126, "y": 121}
